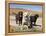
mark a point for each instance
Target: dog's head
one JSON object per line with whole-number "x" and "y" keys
{"x": 36, "y": 15}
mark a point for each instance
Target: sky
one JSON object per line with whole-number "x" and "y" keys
{"x": 32, "y": 7}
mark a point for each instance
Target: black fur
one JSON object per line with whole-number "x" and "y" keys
{"x": 20, "y": 17}
{"x": 33, "y": 19}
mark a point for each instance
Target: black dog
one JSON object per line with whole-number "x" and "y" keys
{"x": 33, "y": 21}
{"x": 20, "y": 17}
